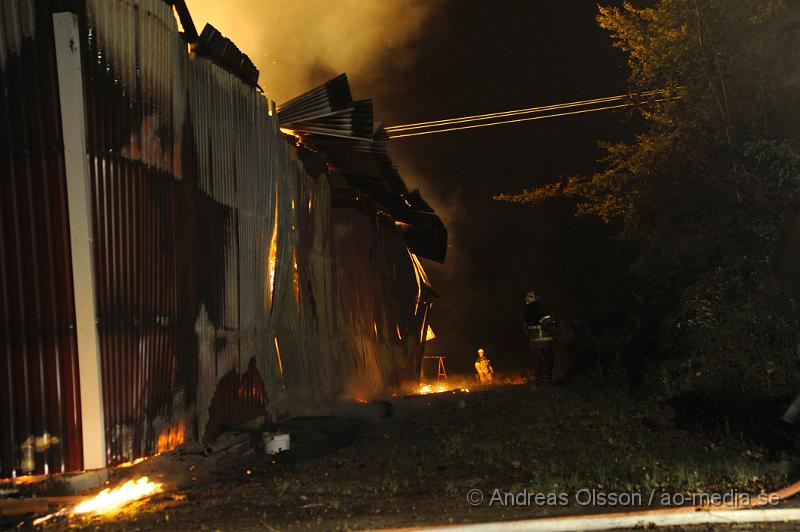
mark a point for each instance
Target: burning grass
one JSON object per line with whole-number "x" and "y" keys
{"x": 108, "y": 501}
{"x": 131, "y": 463}
{"x": 425, "y": 389}
{"x": 460, "y": 383}
{"x": 112, "y": 500}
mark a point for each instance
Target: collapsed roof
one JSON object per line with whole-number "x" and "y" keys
{"x": 341, "y": 129}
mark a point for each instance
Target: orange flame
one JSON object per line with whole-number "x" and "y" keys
{"x": 171, "y": 437}
{"x": 272, "y": 260}
{"x": 433, "y": 388}
{"x": 453, "y": 384}
{"x": 109, "y": 500}
{"x": 112, "y": 500}
{"x": 131, "y": 463}
{"x": 24, "y": 479}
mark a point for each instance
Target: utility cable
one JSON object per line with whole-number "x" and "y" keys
{"x": 397, "y": 134}
{"x": 502, "y": 114}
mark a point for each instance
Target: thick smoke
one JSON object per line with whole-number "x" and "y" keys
{"x": 297, "y": 44}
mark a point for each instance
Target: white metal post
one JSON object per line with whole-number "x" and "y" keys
{"x": 73, "y": 122}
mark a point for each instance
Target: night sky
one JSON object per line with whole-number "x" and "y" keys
{"x": 478, "y": 57}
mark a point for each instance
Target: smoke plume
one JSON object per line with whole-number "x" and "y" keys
{"x": 297, "y": 44}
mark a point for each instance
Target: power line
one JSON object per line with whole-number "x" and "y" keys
{"x": 420, "y": 125}
{"x": 579, "y": 103}
{"x": 401, "y": 129}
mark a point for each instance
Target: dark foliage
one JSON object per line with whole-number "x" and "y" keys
{"x": 702, "y": 194}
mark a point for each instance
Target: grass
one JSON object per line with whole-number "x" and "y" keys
{"x": 577, "y": 437}
{"x": 550, "y": 440}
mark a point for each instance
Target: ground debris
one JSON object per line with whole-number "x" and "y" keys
{"x": 416, "y": 467}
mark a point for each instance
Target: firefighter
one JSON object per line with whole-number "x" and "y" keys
{"x": 483, "y": 367}
{"x": 540, "y": 328}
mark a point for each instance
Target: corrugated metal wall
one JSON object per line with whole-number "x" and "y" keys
{"x": 130, "y": 54}
{"x": 227, "y": 283}
{"x": 39, "y": 405}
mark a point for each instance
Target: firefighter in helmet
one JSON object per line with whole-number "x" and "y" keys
{"x": 540, "y": 328}
{"x": 483, "y": 367}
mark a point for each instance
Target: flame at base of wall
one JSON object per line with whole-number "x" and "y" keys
{"x": 171, "y": 437}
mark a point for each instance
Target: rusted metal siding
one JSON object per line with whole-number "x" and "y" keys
{"x": 39, "y": 393}
{"x": 129, "y": 100}
{"x": 190, "y": 180}
{"x": 382, "y": 304}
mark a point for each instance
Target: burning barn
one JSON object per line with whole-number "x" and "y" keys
{"x": 178, "y": 254}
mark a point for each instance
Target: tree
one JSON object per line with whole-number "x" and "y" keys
{"x": 701, "y": 192}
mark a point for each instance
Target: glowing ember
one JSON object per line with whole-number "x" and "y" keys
{"x": 452, "y": 385}
{"x": 24, "y": 479}
{"x": 435, "y": 388}
{"x": 112, "y": 500}
{"x": 132, "y": 463}
{"x": 298, "y": 139}
{"x": 38, "y": 521}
